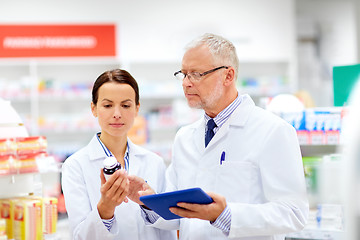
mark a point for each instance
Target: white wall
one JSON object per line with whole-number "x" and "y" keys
{"x": 158, "y": 30}
{"x": 357, "y": 14}
{"x": 327, "y": 38}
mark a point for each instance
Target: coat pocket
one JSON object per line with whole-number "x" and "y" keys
{"x": 235, "y": 179}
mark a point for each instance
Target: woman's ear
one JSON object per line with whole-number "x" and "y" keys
{"x": 93, "y": 109}
{"x": 137, "y": 109}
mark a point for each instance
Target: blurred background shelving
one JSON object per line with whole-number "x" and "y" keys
{"x": 284, "y": 46}
{"x": 53, "y": 96}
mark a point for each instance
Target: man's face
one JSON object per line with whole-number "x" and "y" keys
{"x": 208, "y": 90}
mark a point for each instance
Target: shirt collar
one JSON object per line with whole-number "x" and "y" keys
{"x": 224, "y": 115}
{"x": 104, "y": 151}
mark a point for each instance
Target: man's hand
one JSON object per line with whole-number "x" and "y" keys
{"x": 202, "y": 211}
{"x": 138, "y": 187}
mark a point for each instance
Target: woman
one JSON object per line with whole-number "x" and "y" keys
{"x": 100, "y": 209}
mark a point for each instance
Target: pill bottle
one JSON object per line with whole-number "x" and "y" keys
{"x": 111, "y": 165}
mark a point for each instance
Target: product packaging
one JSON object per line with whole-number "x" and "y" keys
{"x": 8, "y": 164}
{"x": 7, "y": 213}
{"x": 31, "y": 145}
{"x": 49, "y": 215}
{"x": 7, "y": 146}
{"x": 111, "y": 165}
{"x": 27, "y": 220}
{"x": 2, "y": 229}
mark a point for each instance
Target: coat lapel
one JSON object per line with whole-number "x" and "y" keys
{"x": 237, "y": 118}
{"x": 135, "y": 156}
{"x": 219, "y": 134}
{"x": 199, "y": 133}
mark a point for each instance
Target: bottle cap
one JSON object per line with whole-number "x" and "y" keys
{"x": 110, "y": 162}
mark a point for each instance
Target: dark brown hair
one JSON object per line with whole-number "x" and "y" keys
{"x": 115, "y": 75}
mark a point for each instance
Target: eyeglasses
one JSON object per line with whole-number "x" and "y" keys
{"x": 195, "y": 76}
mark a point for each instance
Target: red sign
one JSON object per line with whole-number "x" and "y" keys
{"x": 57, "y": 40}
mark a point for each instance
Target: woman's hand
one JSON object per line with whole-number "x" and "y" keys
{"x": 113, "y": 193}
{"x": 138, "y": 187}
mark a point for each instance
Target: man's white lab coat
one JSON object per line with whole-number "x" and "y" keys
{"x": 261, "y": 177}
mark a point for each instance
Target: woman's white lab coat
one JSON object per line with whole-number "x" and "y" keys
{"x": 81, "y": 186}
{"x": 261, "y": 176}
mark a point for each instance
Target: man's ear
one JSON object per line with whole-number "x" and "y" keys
{"x": 230, "y": 76}
{"x": 93, "y": 109}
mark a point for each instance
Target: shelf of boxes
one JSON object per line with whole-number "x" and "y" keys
{"x": 20, "y": 159}
{"x": 22, "y": 205}
{"x": 317, "y": 126}
{"x": 319, "y": 134}
{"x": 326, "y": 222}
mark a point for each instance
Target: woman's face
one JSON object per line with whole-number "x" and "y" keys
{"x": 116, "y": 109}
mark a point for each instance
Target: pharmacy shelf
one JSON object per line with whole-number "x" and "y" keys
{"x": 17, "y": 185}
{"x": 318, "y": 150}
{"x": 315, "y": 234}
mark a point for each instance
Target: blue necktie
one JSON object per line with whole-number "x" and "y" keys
{"x": 209, "y": 132}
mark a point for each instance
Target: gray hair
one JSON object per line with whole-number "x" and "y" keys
{"x": 222, "y": 50}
